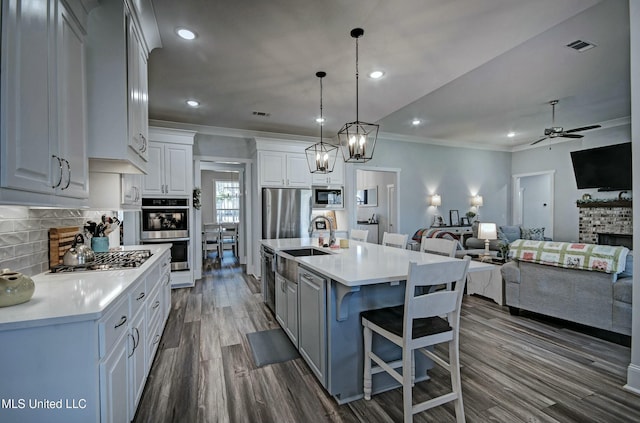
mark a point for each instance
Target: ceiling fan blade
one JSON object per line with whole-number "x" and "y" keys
{"x": 541, "y": 139}
{"x": 583, "y": 128}
{"x": 565, "y": 135}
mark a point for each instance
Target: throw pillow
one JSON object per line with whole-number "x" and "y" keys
{"x": 534, "y": 234}
{"x": 628, "y": 267}
{"x": 502, "y": 237}
{"x": 511, "y": 232}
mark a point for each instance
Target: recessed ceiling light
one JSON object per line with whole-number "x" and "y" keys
{"x": 320, "y": 120}
{"x": 376, "y": 74}
{"x": 416, "y": 122}
{"x": 193, "y": 103}
{"x": 186, "y": 34}
{"x": 511, "y": 134}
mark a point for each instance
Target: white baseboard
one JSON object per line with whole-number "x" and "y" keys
{"x": 633, "y": 379}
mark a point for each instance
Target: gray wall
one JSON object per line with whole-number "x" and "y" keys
{"x": 557, "y": 157}
{"x": 222, "y": 146}
{"x": 454, "y": 173}
{"x": 368, "y": 179}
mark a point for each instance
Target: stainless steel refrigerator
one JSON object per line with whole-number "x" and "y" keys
{"x": 286, "y": 212}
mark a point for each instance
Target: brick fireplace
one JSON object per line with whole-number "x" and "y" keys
{"x": 612, "y": 219}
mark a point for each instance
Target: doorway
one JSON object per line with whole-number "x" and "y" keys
{"x": 533, "y": 200}
{"x": 214, "y": 174}
{"x": 386, "y": 211}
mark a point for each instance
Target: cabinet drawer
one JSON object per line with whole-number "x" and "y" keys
{"x": 154, "y": 307}
{"x": 137, "y": 296}
{"x": 113, "y": 326}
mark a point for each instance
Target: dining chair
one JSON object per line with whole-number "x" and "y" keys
{"x": 211, "y": 240}
{"x": 391, "y": 239}
{"x": 229, "y": 238}
{"x": 359, "y": 234}
{"x": 424, "y": 320}
{"x": 440, "y": 246}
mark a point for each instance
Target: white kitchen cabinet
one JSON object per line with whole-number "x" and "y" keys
{"x": 137, "y": 366}
{"x": 170, "y": 170}
{"x": 279, "y": 169}
{"x": 313, "y": 321}
{"x": 335, "y": 178}
{"x": 43, "y": 138}
{"x": 118, "y": 91}
{"x": 287, "y": 307}
{"x": 131, "y": 186}
{"x": 100, "y": 361}
{"x": 114, "y": 383}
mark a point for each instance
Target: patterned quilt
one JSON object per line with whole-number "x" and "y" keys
{"x": 602, "y": 258}
{"x": 436, "y": 233}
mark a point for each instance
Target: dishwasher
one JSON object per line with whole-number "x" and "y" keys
{"x": 269, "y": 277}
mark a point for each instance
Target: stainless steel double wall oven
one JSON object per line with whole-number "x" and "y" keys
{"x": 166, "y": 220}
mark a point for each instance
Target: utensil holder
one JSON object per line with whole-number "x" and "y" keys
{"x": 100, "y": 244}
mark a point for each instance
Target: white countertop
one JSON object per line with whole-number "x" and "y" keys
{"x": 363, "y": 263}
{"x": 75, "y": 296}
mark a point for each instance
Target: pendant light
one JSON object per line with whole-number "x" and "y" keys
{"x": 321, "y": 156}
{"x": 358, "y": 139}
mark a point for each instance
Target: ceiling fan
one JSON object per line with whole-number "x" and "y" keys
{"x": 558, "y": 131}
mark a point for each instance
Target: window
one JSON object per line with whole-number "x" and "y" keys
{"x": 227, "y": 201}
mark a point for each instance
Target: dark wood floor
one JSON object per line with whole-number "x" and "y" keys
{"x": 514, "y": 369}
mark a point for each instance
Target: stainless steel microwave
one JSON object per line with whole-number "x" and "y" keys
{"x": 327, "y": 198}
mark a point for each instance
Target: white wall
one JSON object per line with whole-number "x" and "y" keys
{"x": 558, "y": 158}
{"x": 222, "y": 146}
{"x": 380, "y": 180}
{"x": 455, "y": 173}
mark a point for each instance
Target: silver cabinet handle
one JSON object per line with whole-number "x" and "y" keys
{"x": 155, "y": 305}
{"x": 141, "y": 296}
{"x": 156, "y": 339}
{"x": 122, "y": 321}
{"x": 60, "y": 166}
{"x": 68, "y": 174}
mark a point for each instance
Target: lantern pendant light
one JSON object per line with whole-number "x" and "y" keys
{"x": 358, "y": 139}
{"x": 321, "y": 156}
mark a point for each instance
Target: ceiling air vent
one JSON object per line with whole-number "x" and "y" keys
{"x": 261, "y": 114}
{"x": 580, "y": 45}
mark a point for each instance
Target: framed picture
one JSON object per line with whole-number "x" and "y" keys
{"x": 454, "y": 218}
{"x": 464, "y": 221}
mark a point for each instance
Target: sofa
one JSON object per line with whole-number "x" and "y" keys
{"x": 582, "y": 283}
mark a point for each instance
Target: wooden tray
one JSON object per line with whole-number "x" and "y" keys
{"x": 60, "y": 241}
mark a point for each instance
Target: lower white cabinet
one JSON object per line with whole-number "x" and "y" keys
{"x": 97, "y": 368}
{"x": 313, "y": 321}
{"x": 137, "y": 357}
{"x": 114, "y": 380}
{"x": 287, "y": 307}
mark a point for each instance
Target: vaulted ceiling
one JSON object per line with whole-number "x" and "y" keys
{"x": 470, "y": 70}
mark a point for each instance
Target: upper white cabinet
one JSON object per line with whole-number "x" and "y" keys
{"x": 43, "y": 126}
{"x": 334, "y": 178}
{"x": 131, "y": 185}
{"x": 170, "y": 167}
{"x": 118, "y": 90}
{"x": 278, "y": 169}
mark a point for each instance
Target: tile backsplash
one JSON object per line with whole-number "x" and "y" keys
{"x": 24, "y": 234}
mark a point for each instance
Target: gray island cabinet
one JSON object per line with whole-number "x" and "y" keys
{"x": 332, "y": 291}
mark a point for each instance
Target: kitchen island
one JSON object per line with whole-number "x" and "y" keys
{"x": 333, "y": 290}
{"x": 81, "y": 348}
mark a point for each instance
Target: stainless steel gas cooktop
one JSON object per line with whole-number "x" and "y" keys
{"x": 112, "y": 260}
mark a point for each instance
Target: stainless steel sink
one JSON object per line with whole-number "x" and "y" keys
{"x": 305, "y": 252}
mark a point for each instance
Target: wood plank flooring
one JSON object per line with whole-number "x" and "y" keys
{"x": 514, "y": 369}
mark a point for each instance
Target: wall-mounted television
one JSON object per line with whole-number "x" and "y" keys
{"x": 606, "y": 168}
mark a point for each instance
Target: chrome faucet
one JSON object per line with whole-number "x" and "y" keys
{"x": 332, "y": 234}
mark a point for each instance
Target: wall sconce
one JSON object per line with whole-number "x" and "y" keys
{"x": 476, "y": 201}
{"x": 436, "y": 200}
